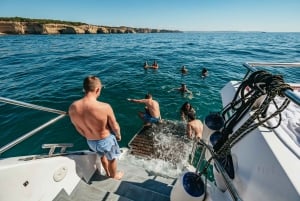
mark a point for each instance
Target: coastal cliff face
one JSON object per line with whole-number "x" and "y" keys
{"x": 9, "y": 27}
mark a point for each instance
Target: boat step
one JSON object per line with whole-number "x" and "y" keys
{"x": 136, "y": 183}
{"x": 86, "y": 192}
{"x": 137, "y": 191}
{"x": 62, "y": 196}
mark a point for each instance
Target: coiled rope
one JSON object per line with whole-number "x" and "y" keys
{"x": 259, "y": 85}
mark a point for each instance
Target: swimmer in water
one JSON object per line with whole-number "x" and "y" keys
{"x": 204, "y": 73}
{"x": 184, "y": 70}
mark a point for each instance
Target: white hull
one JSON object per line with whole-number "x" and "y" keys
{"x": 43, "y": 179}
{"x": 266, "y": 169}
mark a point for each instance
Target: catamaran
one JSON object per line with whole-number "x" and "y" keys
{"x": 250, "y": 150}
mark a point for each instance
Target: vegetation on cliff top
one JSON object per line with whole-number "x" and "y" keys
{"x": 120, "y": 29}
{"x": 41, "y": 21}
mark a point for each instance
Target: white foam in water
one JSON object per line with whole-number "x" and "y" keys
{"x": 172, "y": 149}
{"x": 157, "y": 166}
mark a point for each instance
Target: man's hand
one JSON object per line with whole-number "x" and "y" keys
{"x": 118, "y": 137}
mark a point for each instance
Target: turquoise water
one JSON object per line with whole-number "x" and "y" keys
{"x": 48, "y": 70}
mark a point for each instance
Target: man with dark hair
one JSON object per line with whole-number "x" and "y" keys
{"x": 194, "y": 127}
{"x": 96, "y": 121}
{"x": 152, "y": 113}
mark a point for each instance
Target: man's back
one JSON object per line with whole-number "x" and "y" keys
{"x": 195, "y": 127}
{"x": 153, "y": 107}
{"x": 91, "y": 118}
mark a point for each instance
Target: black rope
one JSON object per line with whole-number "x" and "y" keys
{"x": 259, "y": 84}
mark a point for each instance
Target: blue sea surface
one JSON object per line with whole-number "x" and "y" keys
{"x": 48, "y": 70}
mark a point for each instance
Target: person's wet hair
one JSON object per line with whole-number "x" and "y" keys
{"x": 183, "y": 107}
{"x": 191, "y": 116}
{"x": 148, "y": 95}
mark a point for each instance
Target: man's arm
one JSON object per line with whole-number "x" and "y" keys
{"x": 79, "y": 130}
{"x": 73, "y": 117}
{"x": 182, "y": 116}
{"x": 113, "y": 124}
{"x": 137, "y": 100}
{"x": 189, "y": 130}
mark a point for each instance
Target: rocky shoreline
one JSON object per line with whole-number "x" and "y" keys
{"x": 15, "y": 27}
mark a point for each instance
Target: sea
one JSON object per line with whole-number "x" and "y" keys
{"x": 48, "y": 70}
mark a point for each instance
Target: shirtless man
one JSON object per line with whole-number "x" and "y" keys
{"x": 96, "y": 121}
{"x": 152, "y": 113}
{"x": 194, "y": 127}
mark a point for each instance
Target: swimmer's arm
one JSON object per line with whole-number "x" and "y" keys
{"x": 193, "y": 110}
{"x": 190, "y": 92}
{"x": 137, "y": 100}
{"x": 189, "y": 130}
{"x": 182, "y": 116}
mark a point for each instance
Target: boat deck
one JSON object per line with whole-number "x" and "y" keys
{"x": 156, "y": 141}
{"x": 136, "y": 183}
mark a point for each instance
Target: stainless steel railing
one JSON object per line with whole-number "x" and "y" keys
{"x": 32, "y": 106}
{"x": 34, "y": 131}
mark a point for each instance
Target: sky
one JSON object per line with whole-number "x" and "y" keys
{"x": 183, "y": 15}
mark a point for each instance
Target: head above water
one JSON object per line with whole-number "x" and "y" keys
{"x": 204, "y": 70}
{"x": 183, "y": 86}
{"x": 91, "y": 83}
{"x": 186, "y": 106}
{"x": 148, "y": 96}
{"x": 191, "y": 116}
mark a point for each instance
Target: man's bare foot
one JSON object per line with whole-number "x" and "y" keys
{"x": 119, "y": 175}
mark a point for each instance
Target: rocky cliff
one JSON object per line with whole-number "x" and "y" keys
{"x": 12, "y": 27}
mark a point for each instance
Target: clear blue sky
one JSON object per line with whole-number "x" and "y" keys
{"x": 184, "y": 15}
